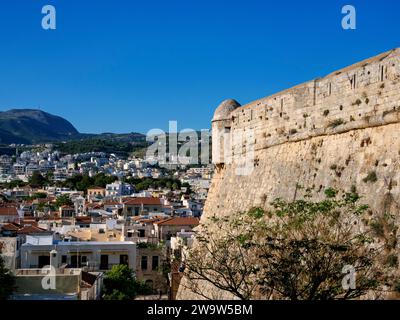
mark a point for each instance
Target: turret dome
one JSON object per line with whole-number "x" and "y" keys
{"x": 224, "y": 109}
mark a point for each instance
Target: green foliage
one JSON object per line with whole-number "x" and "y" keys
{"x": 63, "y": 200}
{"x": 392, "y": 261}
{"x": 378, "y": 228}
{"x": 371, "y": 177}
{"x": 256, "y": 213}
{"x": 7, "y": 281}
{"x": 122, "y": 144}
{"x": 13, "y": 184}
{"x": 297, "y": 251}
{"x": 146, "y": 183}
{"x": 36, "y": 180}
{"x": 120, "y": 283}
{"x": 39, "y": 195}
{"x": 42, "y": 206}
{"x": 148, "y": 245}
{"x": 335, "y": 123}
{"x": 330, "y": 193}
{"x": 397, "y": 286}
{"x": 83, "y": 182}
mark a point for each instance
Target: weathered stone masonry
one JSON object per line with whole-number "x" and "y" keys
{"x": 330, "y": 132}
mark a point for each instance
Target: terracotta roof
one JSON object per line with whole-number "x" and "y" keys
{"x": 93, "y": 206}
{"x": 30, "y": 229}
{"x": 151, "y": 220}
{"x": 144, "y": 201}
{"x": 10, "y": 227}
{"x": 179, "y": 221}
{"x": 8, "y": 211}
{"x": 50, "y": 218}
{"x": 79, "y": 219}
{"x": 30, "y": 222}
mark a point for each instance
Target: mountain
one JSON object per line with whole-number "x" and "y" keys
{"x": 31, "y": 126}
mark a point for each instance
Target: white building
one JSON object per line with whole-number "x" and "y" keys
{"x": 91, "y": 256}
{"x": 118, "y": 189}
{"x": 19, "y": 169}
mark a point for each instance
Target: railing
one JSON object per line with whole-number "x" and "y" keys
{"x": 107, "y": 266}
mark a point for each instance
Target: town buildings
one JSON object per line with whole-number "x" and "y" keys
{"x": 83, "y": 233}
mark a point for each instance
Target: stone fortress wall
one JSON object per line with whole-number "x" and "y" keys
{"x": 363, "y": 95}
{"x": 330, "y": 132}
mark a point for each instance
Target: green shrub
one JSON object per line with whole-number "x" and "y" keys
{"x": 337, "y": 122}
{"x": 392, "y": 261}
{"x": 397, "y": 286}
{"x": 378, "y": 228}
{"x": 371, "y": 177}
{"x": 330, "y": 193}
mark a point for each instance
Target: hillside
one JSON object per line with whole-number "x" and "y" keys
{"x": 30, "y": 126}
{"x": 121, "y": 144}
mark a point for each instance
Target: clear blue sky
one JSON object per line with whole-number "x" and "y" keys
{"x": 122, "y": 66}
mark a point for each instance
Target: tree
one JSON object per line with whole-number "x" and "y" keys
{"x": 37, "y": 180}
{"x": 175, "y": 186}
{"x": 7, "y": 281}
{"x": 298, "y": 250}
{"x": 63, "y": 200}
{"x": 120, "y": 283}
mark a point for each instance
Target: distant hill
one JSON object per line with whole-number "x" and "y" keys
{"x": 121, "y": 144}
{"x": 31, "y": 126}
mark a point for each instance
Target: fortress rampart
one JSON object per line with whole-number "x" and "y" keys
{"x": 331, "y": 132}
{"x": 364, "y": 95}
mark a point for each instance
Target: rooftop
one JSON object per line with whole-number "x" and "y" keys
{"x": 8, "y": 211}
{"x": 144, "y": 201}
{"x": 178, "y": 221}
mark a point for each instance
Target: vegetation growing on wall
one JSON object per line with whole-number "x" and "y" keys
{"x": 297, "y": 250}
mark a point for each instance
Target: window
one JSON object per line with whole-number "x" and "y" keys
{"x": 104, "y": 262}
{"x": 63, "y": 259}
{"x": 154, "y": 264}
{"x": 141, "y": 233}
{"x": 144, "y": 263}
{"x": 74, "y": 261}
{"x": 43, "y": 261}
{"x": 123, "y": 259}
{"x": 136, "y": 211}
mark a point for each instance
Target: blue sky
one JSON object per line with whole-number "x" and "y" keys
{"x": 122, "y": 66}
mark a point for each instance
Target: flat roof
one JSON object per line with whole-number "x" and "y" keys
{"x": 82, "y": 243}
